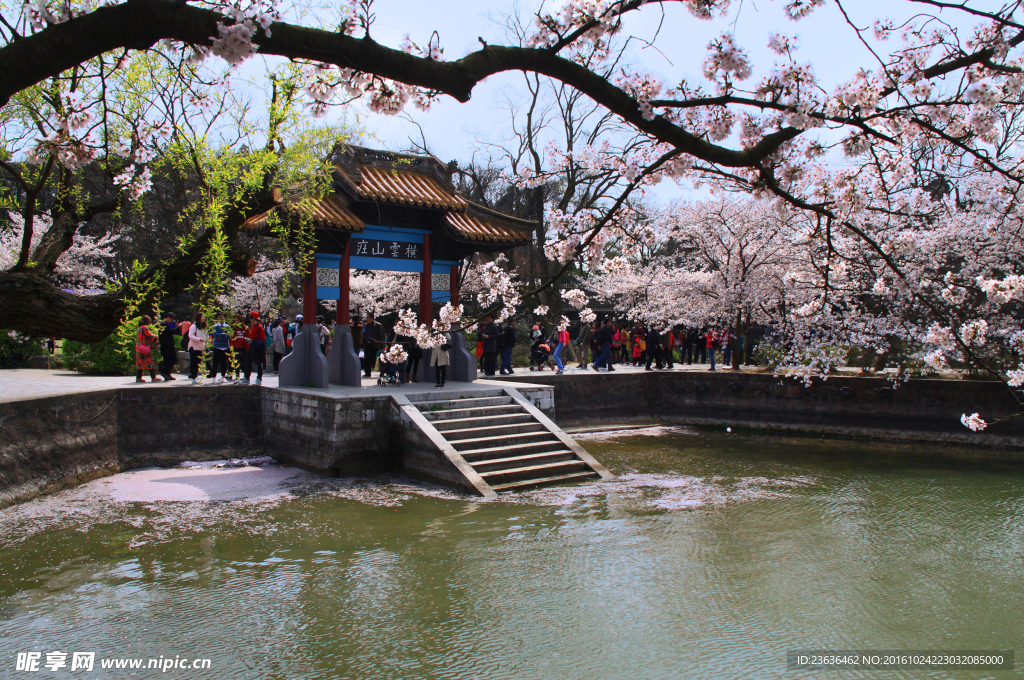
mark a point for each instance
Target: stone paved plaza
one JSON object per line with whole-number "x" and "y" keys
{"x": 28, "y": 383}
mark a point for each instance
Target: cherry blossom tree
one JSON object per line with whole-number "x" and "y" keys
{"x": 383, "y": 292}
{"x": 89, "y": 143}
{"x": 926, "y": 133}
{"x": 85, "y": 266}
{"x": 260, "y": 292}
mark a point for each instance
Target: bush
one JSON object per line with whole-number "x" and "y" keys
{"x": 106, "y": 357}
{"x": 17, "y": 350}
{"x": 769, "y": 355}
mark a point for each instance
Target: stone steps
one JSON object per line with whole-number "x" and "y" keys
{"x": 461, "y": 404}
{"x": 440, "y": 417}
{"x": 492, "y": 464}
{"x": 544, "y": 481}
{"x": 520, "y": 474}
{"x": 491, "y": 431}
{"x": 492, "y": 452}
{"x": 504, "y": 442}
{"x": 501, "y": 419}
{"x": 421, "y": 397}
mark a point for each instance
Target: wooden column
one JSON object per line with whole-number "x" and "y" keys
{"x": 454, "y": 281}
{"x": 309, "y": 295}
{"x": 426, "y": 306}
{"x": 343, "y": 287}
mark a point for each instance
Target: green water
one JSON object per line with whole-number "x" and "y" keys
{"x": 709, "y": 557}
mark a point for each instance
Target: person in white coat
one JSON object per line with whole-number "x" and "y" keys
{"x": 196, "y": 347}
{"x": 439, "y": 359}
{"x": 277, "y": 344}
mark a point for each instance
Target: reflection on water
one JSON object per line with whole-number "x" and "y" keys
{"x": 708, "y": 556}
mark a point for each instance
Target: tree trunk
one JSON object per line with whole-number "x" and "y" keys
{"x": 32, "y": 304}
{"x": 740, "y": 332}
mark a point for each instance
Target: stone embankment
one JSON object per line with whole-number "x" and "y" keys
{"x": 919, "y": 410}
{"x": 52, "y": 442}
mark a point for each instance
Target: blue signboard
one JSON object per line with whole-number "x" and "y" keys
{"x": 379, "y": 248}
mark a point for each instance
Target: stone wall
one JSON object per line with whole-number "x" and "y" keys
{"x": 170, "y": 425}
{"x": 924, "y": 410}
{"x": 328, "y": 435}
{"x": 53, "y": 442}
{"x": 49, "y": 443}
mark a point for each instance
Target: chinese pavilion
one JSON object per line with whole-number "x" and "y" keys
{"x": 394, "y": 212}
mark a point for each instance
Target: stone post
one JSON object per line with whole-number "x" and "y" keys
{"x": 343, "y": 365}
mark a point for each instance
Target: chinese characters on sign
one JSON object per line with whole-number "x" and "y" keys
{"x": 32, "y": 662}
{"x": 398, "y": 250}
{"x": 80, "y": 661}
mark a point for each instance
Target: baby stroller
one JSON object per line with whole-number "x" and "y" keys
{"x": 388, "y": 373}
{"x": 539, "y": 357}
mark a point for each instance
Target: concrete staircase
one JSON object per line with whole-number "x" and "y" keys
{"x": 506, "y": 440}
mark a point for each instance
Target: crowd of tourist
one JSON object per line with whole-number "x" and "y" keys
{"x": 602, "y": 345}
{"x": 230, "y": 351}
{"x": 233, "y": 350}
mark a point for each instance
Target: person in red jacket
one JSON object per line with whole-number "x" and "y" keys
{"x": 239, "y": 345}
{"x": 257, "y": 336}
{"x": 711, "y": 338}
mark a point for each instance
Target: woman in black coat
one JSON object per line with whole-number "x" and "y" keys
{"x": 168, "y": 337}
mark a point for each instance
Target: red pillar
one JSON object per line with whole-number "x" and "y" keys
{"x": 343, "y": 287}
{"x": 455, "y": 285}
{"x": 426, "y": 308}
{"x": 309, "y": 295}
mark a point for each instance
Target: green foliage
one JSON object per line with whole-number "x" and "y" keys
{"x": 17, "y": 350}
{"x": 138, "y": 289}
{"x": 521, "y": 354}
{"x": 769, "y": 355}
{"x": 107, "y": 357}
{"x": 231, "y": 178}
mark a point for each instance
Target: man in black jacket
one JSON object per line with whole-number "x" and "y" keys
{"x": 688, "y": 340}
{"x": 489, "y": 334}
{"x": 373, "y": 343}
{"x": 168, "y": 350}
{"x": 506, "y": 341}
{"x": 653, "y": 347}
{"x": 700, "y": 346}
{"x": 604, "y": 341}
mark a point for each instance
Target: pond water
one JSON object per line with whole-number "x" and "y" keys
{"x": 709, "y": 556}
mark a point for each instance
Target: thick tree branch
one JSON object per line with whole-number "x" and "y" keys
{"x": 140, "y": 24}
{"x": 41, "y": 309}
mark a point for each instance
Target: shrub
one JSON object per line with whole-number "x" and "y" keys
{"x": 17, "y": 350}
{"x": 106, "y": 357}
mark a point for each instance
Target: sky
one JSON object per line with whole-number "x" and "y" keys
{"x": 452, "y": 129}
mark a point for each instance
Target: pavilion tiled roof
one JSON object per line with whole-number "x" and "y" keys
{"x": 329, "y": 211}
{"x": 369, "y": 175}
{"x": 480, "y": 225}
{"x": 403, "y": 187}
